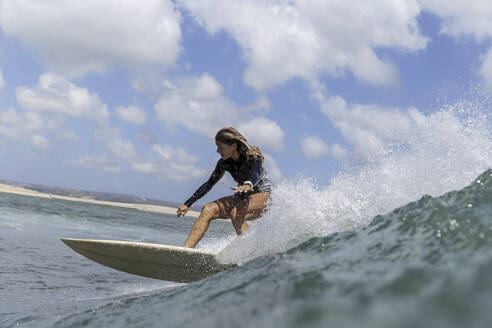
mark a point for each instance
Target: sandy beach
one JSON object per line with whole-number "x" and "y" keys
{"x": 142, "y": 207}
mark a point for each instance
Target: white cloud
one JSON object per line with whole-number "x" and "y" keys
{"x": 264, "y": 133}
{"x": 2, "y": 81}
{"x": 461, "y": 19}
{"x": 30, "y": 128}
{"x": 103, "y": 162}
{"x": 58, "y": 95}
{"x": 314, "y": 147}
{"x": 39, "y": 142}
{"x": 116, "y": 152}
{"x": 198, "y": 104}
{"x": 18, "y": 127}
{"x": 117, "y": 155}
{"x": 371, "y": 130}
{"x": 274, "y": 172}
{"x": 147, "y": 137}
{"x": 131, "y": 114}
{"x": 78, "y": 37}
{"x": 169, "y": 163}
{"x": 339, "y": 152}
{"x": 117, "y": 148}
{"x": 301, "y": 39}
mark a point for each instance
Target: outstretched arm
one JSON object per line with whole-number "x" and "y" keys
{"x": 217, "y": 174}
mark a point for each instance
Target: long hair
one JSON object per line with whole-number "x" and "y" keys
{"x": 231, "y": 136}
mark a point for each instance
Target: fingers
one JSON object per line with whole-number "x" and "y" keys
{"x": 181, "y": 211}
{"x": 242, "y": 191}
{"x": 244, "y": 188}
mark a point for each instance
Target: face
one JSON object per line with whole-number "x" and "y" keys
{"x": 225, "y": 150}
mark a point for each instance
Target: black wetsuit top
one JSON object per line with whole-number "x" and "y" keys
{"x": 241, "y": 171}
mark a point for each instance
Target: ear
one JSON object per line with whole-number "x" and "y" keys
{"x": 234, "y": 146}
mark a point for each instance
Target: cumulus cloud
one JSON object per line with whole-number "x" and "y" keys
{"x": 264, "y": 133}
{"x": 338, "y": 152}
{"x": 39, "y": 142}
{"x": 301, "y": 39}
{"x": 131, "y": 114}
{"x": 28, "y": 127}
{"x": 57, "y": 95}
{"x": 147, "y": 137}
{"x": 103, "y": 162}
{"x": 170, "y": 163}
{"x": 461, "y": 19}
{"x": 314, "y": 147}
{"x": 115, "y": 155}
{"x": 116, "y": 146}
{"x": 78, "y": 37}
{"x": 371, "y": 129}
{"x": 16, "y": 126}
{"x": 198, "y": 104}
{"x": 271, "y": 165}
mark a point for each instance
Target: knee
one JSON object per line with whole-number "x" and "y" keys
{"x": 210, "y": 210}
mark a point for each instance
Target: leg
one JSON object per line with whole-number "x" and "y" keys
{"x": 241, "y": 210}
{"x": 209, "y": 212}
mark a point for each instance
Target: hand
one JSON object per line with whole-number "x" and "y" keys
{"x": 242, "y": 190}
{"x": 182, "y": 209}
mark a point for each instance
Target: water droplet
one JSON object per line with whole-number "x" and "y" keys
{"x": 470, "y": 205}
{"x": 453, "y": 224}
{"x": 438, "y": 233}
{"x": 481, "y": 235}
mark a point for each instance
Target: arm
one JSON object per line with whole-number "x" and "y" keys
{"x": 217, "y": 174}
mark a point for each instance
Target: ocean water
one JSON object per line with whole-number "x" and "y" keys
{"x": 402, "y": 240}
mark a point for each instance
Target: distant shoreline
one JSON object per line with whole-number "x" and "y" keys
{"x": 5, "y": 188}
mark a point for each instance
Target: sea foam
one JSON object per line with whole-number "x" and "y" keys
{"x": 446, "y": 151}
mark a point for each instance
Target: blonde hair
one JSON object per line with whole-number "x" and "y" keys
{"x": 230, "y": 136}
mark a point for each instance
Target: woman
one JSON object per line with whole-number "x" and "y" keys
{"x": 245, "y": 163}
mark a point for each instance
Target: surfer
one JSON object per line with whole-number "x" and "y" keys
{"x": 245, "y": 164}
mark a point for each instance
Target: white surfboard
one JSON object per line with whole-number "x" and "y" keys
{"x": 156, "y": 261}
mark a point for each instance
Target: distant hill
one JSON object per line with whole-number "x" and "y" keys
{"x": 103, "y": 196}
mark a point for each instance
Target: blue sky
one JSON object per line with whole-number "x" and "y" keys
{"x": 126, "y": 97}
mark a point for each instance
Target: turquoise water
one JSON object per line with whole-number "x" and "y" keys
{"x": 428, "y": 263}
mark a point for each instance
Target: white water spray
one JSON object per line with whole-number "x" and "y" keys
{"x": 445, "y": 152}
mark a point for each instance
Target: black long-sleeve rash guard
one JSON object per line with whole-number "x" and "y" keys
{"x": 241, "y": 171}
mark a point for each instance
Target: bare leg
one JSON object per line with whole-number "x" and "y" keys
{"x": 209, "y": 212}
{"x": 239, "y": 210}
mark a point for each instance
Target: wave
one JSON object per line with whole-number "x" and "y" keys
{"x": 426, "y": 262}
{"x": 447, "y": 150}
